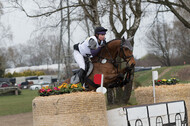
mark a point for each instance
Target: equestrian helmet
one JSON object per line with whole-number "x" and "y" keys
{"x": 100, "y": 30}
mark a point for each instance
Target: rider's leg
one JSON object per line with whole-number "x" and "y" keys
{"x": 80, "y": 61}
{"x": 82, "y": 75}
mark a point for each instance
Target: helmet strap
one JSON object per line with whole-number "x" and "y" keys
{"x": 96, "y": 35}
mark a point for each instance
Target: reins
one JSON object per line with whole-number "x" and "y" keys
{"x": 113, "y": 61}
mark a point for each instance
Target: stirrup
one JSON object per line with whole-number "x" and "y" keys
{"x": 85, "y": 86}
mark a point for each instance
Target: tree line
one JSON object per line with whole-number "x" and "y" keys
{"x": 169, "y": 44}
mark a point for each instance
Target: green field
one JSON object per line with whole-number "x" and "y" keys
{"x": 13, "y": 104}
{"x": 144, "y": 78}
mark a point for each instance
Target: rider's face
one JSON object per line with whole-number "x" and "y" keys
{"x": 101, "y": 37}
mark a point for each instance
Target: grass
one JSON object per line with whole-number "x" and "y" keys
{"x": 172, "y": 72}
{"x": 132, "y": 100}
{"x": 13, "y": 104}
{"x": 144, "y": 78}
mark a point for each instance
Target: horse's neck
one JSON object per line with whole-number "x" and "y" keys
{"x": 109, "y": 51}
{"x": 112, "y": 49}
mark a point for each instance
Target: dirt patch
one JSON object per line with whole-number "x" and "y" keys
{"x": 184, "y": 74}
{"x": 165, "y": 71}
{"x": 24, "y": 119}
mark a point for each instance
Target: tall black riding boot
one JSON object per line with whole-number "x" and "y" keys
{"x": 81, "y": 75}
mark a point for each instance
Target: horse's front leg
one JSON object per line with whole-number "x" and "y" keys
{"x": 124, "y": 70}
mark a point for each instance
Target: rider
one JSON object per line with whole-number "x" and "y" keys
{"x": 89, "y": 48}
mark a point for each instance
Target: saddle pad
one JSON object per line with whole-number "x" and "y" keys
{"x": 75, "y": 77}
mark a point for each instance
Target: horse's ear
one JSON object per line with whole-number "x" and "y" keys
{"x": 130, "y": 39}
{"x": 123, "y": 38}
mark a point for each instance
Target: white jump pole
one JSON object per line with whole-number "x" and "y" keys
{"x": 154, "y": 94}
{"x": 102, "y": 81}
{"x": 101, "y": 88}
{"x": 154, "y": 77}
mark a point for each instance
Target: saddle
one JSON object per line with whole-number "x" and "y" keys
{"x": 89, "y": 67}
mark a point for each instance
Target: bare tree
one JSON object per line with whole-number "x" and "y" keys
{"x": 1, "y": 6}
{"x": 91, "y": 11}
{"x": 145, "y": 61}
{"x": 5, "y": 32}
{"x": 2, "y": 66}
{"x": 174, "y": 6}
{"x": 43, "y": 50}
{"x": 160, "y": 43}
{"x": 182, "y": 41}
{"x": 49, "y": 20}
{"x": 12, "y": 56}
{"x": 128, "y": 14}
{"x": 5, "y": 36}
{"x": 3, "y": 63}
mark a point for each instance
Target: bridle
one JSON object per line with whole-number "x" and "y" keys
{"x": 122, "y": 51}
{"x": 112, "y": 60}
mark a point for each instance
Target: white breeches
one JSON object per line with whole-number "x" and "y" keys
{"x": 79, "y": 59}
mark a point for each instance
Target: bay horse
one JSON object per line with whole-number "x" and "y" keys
{"x": 105, "y": 63}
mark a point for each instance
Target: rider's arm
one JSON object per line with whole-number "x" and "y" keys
{"x": 94, "y": 52}
{"x": 92, "y": 44}
{"x": 103, "y": 43}
{"x": 94, "y": 49}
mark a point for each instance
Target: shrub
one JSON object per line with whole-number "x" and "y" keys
{"x": 170, "y": 81}
{"x": 8, "y": 75}
{"x": 24, "y": 73}
{"x": 64, "y": 88}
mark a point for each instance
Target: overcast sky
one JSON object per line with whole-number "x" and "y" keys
{"x": 22, "y": 27}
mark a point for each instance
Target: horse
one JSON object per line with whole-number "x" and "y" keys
{"x": 105, "y": 63}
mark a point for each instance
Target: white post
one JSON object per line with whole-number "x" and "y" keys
{"x": 154, "y": 94}
{"x": 101, "y": 88}
{"x": 154, "y": 77}
{"x": 102, "y": 81}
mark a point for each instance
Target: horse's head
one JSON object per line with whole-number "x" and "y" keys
{"x": 126, "y": 51}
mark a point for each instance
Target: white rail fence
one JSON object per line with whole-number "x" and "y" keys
{"x": 160, "y": 114}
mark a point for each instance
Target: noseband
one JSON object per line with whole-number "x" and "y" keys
{"x": 122, "y": 51}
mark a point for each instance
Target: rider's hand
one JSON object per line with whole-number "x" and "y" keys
{"x": 103, "y": 44}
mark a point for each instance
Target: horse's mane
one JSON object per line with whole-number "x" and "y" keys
{"x": 126, "y": 44}
{"x": 112, "y": 40}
